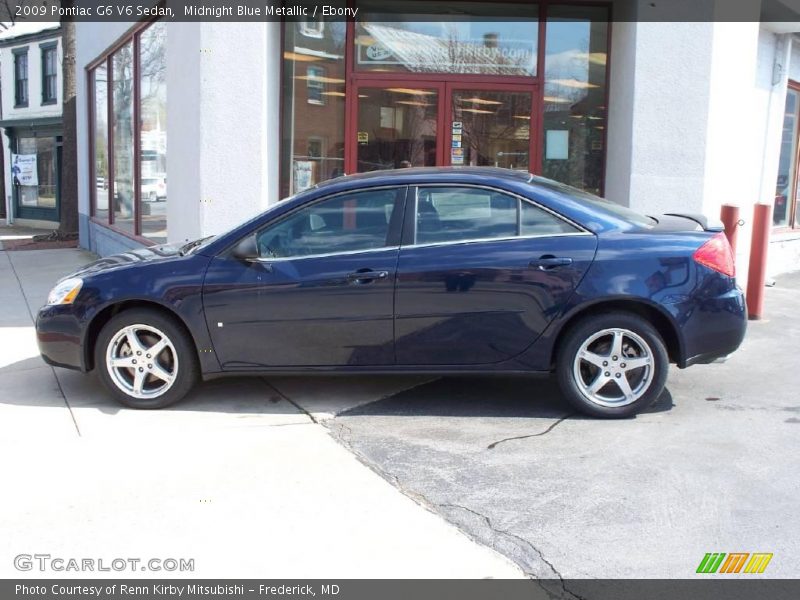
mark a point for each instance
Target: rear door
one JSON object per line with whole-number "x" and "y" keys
{"x": 480, "y": 275}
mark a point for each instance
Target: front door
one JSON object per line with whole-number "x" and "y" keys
{"x": 397, "y": 124}
{"x": 321, "y": 293}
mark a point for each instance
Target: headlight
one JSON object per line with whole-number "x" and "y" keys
{"x": 65, "y": 291}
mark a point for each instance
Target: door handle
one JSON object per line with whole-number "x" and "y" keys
{"x": 548, "y": 261}
{"x": 366, "y": 276}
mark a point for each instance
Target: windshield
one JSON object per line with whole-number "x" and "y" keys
{"x": 617, "y": 210}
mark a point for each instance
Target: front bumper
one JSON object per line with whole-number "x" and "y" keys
{"x": 59, "y": 336}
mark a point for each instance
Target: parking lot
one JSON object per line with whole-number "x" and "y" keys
{"x": 367, "y": 476}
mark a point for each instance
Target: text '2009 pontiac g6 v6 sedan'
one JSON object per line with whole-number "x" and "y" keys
{"x": 463, "y": 270}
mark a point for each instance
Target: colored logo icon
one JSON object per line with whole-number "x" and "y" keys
{"x": 735, "y": 562}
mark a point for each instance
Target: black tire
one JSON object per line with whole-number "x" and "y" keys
{"x": 655, "y": 371}
{"x": 187, "y": 365}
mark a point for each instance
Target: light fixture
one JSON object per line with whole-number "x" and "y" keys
{"x": 574, "y": 83}
{"x": 410, "y": 91}
{"x": 596, "y": 58}
{"x": 479, "y": 111}
{"x": 595, "y": 118}
{"x": 297, "y": 57}
{"x": 363, "y": 96}
{"x": 340, "y": 94}
{"x": 526, "y": 117}
{"x": 480, "y": 101}
{"x": 557, "y": 100}
{"x": 319, "y": 78}
{"x": 413, "y": 103}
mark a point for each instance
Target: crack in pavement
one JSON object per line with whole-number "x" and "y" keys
{"x": 33, "y": 320}
{"x": 494, "y": 445}
{"x": 290, "y": 401}
{"x": 520, "y": 541}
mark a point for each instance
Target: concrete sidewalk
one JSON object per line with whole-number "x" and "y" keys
{"x": 241, "y": 477}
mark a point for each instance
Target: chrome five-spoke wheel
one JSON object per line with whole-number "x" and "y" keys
{"x": 141, "y": 361}
{"x": 612, "y": 364}
{"x": 614, "y": 367}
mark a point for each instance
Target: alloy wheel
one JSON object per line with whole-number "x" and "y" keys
{"x": 142, "y": 361}
{"x": 614, "y": 367}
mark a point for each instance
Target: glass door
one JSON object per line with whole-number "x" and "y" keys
{"x": 397, "y": 125}
{"x": 491, "y": 126}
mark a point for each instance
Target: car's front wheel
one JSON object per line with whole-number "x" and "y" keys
{"x": 612, "y": 365}
{"x": 145, "y": 359}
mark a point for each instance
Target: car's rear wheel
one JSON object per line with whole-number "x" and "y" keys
{"x": 612, "y": 365}
{"x": 145, "y": 359}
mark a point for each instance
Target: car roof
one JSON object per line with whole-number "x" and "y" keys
{"x": 430, "y": 173}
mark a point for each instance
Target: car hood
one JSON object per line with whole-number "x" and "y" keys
{"x": 129, "y": 258}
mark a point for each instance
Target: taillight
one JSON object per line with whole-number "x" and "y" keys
{"x": 716, "y": 254}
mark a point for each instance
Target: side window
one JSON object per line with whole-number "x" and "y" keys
{"x": 344, "y": 223}
{"x": 452, "y": 214}
{"x": 535, "y": 221}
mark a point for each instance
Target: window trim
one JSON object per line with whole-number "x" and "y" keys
{"x": 44, "y": 49}
{"x": 106, "y": 59}
{"x": 792, "y": 222}
{"x": 393, "y": 236}
{"x": 17, "y": 53}
{"x": 410, "y": 239}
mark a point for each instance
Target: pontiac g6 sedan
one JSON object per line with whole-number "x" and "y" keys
{"x": 465, "y": 270}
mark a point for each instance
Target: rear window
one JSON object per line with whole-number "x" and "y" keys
{"x": 623, "y": 212}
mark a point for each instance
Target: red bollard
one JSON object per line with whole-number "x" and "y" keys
{"x": 757, "y": 272}
{"x": 730, "y": 218}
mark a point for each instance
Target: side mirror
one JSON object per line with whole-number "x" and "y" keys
{"x": 246, "y": 249}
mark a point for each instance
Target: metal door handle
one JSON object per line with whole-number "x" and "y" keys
{"x": 544, "y": 263}
{"x": 366, "y": 276}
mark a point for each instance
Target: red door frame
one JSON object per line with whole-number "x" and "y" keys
{"x": 355, "y": 79}
{"x": 351, "y": 114}
{"x": 529, "y": 88}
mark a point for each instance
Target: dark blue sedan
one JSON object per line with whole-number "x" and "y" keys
{"x": 465, "y": 270}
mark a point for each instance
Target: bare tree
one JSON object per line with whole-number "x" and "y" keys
{"x": 68, "y": 228}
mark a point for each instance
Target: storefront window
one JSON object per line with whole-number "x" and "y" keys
{"x": 786, "y": 185}
{"x": 575, "y": 96}
{"x": 122, "y": 122}
{"x": 100, "y": 141}
{"x": 43, "y": 151}
{"x": 313, "y": 104}
{"x": 137, "y": 191}
{"x": 153, "y": 120}
{"x": 447, "y": 37}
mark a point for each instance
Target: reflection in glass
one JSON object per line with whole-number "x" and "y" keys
{"x": 452, "y": 214}
{"x": 447, "y": 37}
{"x": 785, "y": 184}
{"x": 396, "y": 128}
{"x": 100, "y": 142}
{"x": 153, "y": 115}
{"x": 495, "y": 129}
{"x": 312, "y": 145}
{"x": 346, "y": 223}
{"x": 44, "y": 194}
{"x": 122, "y": 65}
{"x": 574, "y": 95}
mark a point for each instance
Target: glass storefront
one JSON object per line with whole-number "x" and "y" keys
{"x": 43, "y": 195}
{"x": 786, "y": 188}
{"x": 130, "y": 170}
{"x": 450, "y": 83}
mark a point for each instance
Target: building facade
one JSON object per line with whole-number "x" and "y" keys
{"x": 231, "y": 117}
{"x": 30, "y": 118}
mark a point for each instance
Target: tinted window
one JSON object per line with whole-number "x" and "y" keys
{"x": 345, "y": 223}
{"x": 535, "y": 221}
{"x": 451, "y": 214}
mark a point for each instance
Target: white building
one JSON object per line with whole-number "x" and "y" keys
{"x": 30, "y": 118}
{"x": 231, "y": 117}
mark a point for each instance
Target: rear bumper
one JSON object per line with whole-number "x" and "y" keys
{"x": 59, "y": 334}
{"x": 715, "y": 329}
